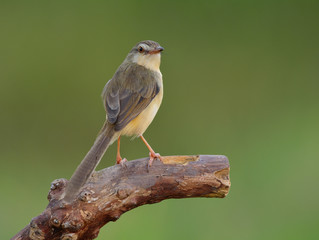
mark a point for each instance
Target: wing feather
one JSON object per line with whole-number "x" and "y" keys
{"x": 128, "y": 93}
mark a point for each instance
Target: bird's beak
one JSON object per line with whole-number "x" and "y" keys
{"x": 157, "y": 50}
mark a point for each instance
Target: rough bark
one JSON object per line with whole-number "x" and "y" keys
{"x": 118, "y": 189}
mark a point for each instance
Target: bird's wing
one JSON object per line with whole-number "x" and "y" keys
{"x": 127, "y": 94}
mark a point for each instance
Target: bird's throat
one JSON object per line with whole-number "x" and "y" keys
{"x": 151, "y": 62}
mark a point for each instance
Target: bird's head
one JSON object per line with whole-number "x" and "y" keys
{"x": 147, "y": 53}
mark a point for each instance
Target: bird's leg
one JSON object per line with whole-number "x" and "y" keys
{"x": 119, "y": 159}
{"x": 152, "y": 154}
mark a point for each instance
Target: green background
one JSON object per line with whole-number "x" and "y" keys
{"x": 241, "y": 79}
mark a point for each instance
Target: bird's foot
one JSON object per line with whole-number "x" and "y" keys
{"x": 121, "y": 161}
{"x": 153, "y": 156}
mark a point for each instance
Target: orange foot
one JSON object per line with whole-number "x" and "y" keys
{"x": 121, "y": 161}
{"x": 153, "y": 156}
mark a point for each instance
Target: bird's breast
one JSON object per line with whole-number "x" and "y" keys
{"x": 139, "y": 124}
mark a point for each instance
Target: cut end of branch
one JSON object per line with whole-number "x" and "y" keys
{"x": 179, "y": 159}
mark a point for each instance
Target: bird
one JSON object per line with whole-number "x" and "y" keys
{"x": 131, "y": 100}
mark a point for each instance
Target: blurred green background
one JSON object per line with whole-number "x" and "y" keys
{"x": 241, "y": 79}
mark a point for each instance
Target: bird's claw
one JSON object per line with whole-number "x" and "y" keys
{"x": 121, "y": 161}
{"x": 153, "y": 156}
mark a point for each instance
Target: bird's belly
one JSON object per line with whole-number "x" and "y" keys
{"x": 139, "y": 124}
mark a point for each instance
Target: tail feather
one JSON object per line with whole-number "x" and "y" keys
{"x": 89, "y": 163}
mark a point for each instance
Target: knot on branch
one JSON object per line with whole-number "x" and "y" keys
{"x": 57, "y": 188}
{"x": 86, "y": 195}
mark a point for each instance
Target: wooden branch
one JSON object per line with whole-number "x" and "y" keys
{"x": 118, "y": 189}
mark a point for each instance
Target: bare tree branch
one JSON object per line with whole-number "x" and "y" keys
{"x": 118, "y": 189}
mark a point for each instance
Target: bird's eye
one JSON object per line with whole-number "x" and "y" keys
{"x": 140, "y": 49}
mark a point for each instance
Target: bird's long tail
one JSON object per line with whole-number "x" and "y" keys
{"x": 89, "y": 163}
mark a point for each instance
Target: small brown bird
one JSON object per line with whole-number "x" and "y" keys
{"x": 131, "y": 99}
